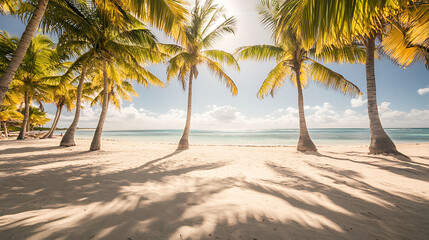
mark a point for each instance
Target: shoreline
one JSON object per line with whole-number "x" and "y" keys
{"x": 58, "y": 137}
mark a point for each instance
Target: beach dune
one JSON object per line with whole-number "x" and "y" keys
{"x": 138, "y": 190}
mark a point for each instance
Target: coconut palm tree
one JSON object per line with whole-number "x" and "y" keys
{"x": 63, "y": 95}
{"x": 295, "y": 62}
{"x": 199, "y": 35}
{"x": 127, "y": 49}
{"x": 165, "y": 14}
{"x": 36, "y": 117}
{"x": 120, "y": 87}
{"x": 327, "y": 22}
{"x": 8, "y": 113}
{"x": 40, "y": 62}
{"x": 83, "y": 25}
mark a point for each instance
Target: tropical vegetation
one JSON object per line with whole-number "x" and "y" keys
{"x": 105, "y": 47}
{"x": 195, "y": 48}
{"x": 298, "y": 64}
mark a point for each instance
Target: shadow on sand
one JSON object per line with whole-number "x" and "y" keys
{"x": 164, "y": 199}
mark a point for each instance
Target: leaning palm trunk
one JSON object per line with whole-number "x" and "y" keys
{"x": 22, "y": 47}
{"x": 26, "y": 120}
{"x": 304, "y": 143}
{"x": 96, "y": 140}
{"x": 184, "y": 141}
{"x": 50, "y": 134}
{"x": 380, "y": 141}
{"x": 6, "y": 134}
{"x": 68, "y": 139}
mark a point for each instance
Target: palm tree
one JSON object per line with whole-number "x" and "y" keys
{"x": 119, "y": 87}
{"x": 200, "y": 33}
{"x": 82, "y": 26}
{"x": 327, "y": 22}
{"x": 64, "y": 95}
{"x": 40, "y": 62}
{"x": 36, "y": 117}
{"x": 7, "y": 113}
{"x": 294, "y": 61}
{"x": 165, "y": 14}
{"x": 127, "y": 49}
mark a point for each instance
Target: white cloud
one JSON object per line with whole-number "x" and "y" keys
{"x": 358, "y": 102}
{"x": 423, "y": 91}
{"x": 229, "y": 117}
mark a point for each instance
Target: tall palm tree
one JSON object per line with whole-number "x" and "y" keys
{"x": 294, "y": 61}
{"x": 198, "y": 36}
{"x": 40, "y": 63}
{"x": 327, "y": 22}
{"x": 127, "y": 48}
{"x": 81, "y": 27}
{"x": 165, "y": 14}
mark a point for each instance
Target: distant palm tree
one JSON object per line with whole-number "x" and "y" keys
{"x": 40, "y": 62}
{"x": 120, "y": 88}
{"x": 63, "y": 95}
{"x": 198, "y": 35}
{"x": 36, "y": 117}
{"x": 294, "y": 61}
{"x": 8, "y": 113}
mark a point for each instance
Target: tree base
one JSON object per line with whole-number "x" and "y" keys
{"x": 67, "y": 143}
{"x": 306, "y": 145}
{"x": 183, "y": 144}
{"x": 382, "y": 145}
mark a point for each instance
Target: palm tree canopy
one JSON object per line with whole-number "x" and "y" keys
{"x": 8, "y": 113}
{"x": 206, "y": 25}
{"x": 326, "y": 22}
{"x": 292, "y": 58}
{"x": 406, "y": 40}
{"x": 40, "y": 63}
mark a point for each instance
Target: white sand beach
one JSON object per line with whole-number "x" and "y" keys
{"x": 137, "y": 190}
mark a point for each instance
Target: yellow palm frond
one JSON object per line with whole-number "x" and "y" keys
{"x": 221, "y": 57}
{"x": 216, "y": 69}
{"x": 330, "y": 79}
{"x": 274, "y": 80}
{"x": 259, "y": 52}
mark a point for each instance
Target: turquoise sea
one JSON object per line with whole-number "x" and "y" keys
{"x": 288, "y": 137}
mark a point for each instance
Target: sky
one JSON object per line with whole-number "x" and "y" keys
{"x": 402, "y": 94}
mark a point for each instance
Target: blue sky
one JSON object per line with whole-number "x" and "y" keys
{"x": 214, "y": 108}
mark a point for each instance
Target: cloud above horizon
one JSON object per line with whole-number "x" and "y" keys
{"x": 358, "y": 102}
{"x": 229, "y": 117}
{"x": 423, "y": 91}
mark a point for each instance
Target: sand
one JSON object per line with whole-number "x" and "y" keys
{"x": 137, "y": 190}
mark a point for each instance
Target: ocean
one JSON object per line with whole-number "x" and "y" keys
{"x": 273, "y": 137}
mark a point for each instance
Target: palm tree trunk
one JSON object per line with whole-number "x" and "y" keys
{"x": 22, "y": 47}
{"x": 380, "y": 141}
{"x": 55, "y": 122}
{"x": 96, "y": 140}
{"x": 26, "y": 120}
{"x": 6, "y": 134}
{"x": 305, "y": 144}
{"x": 68, "y": 138}
{"x": 184, "y": 141}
